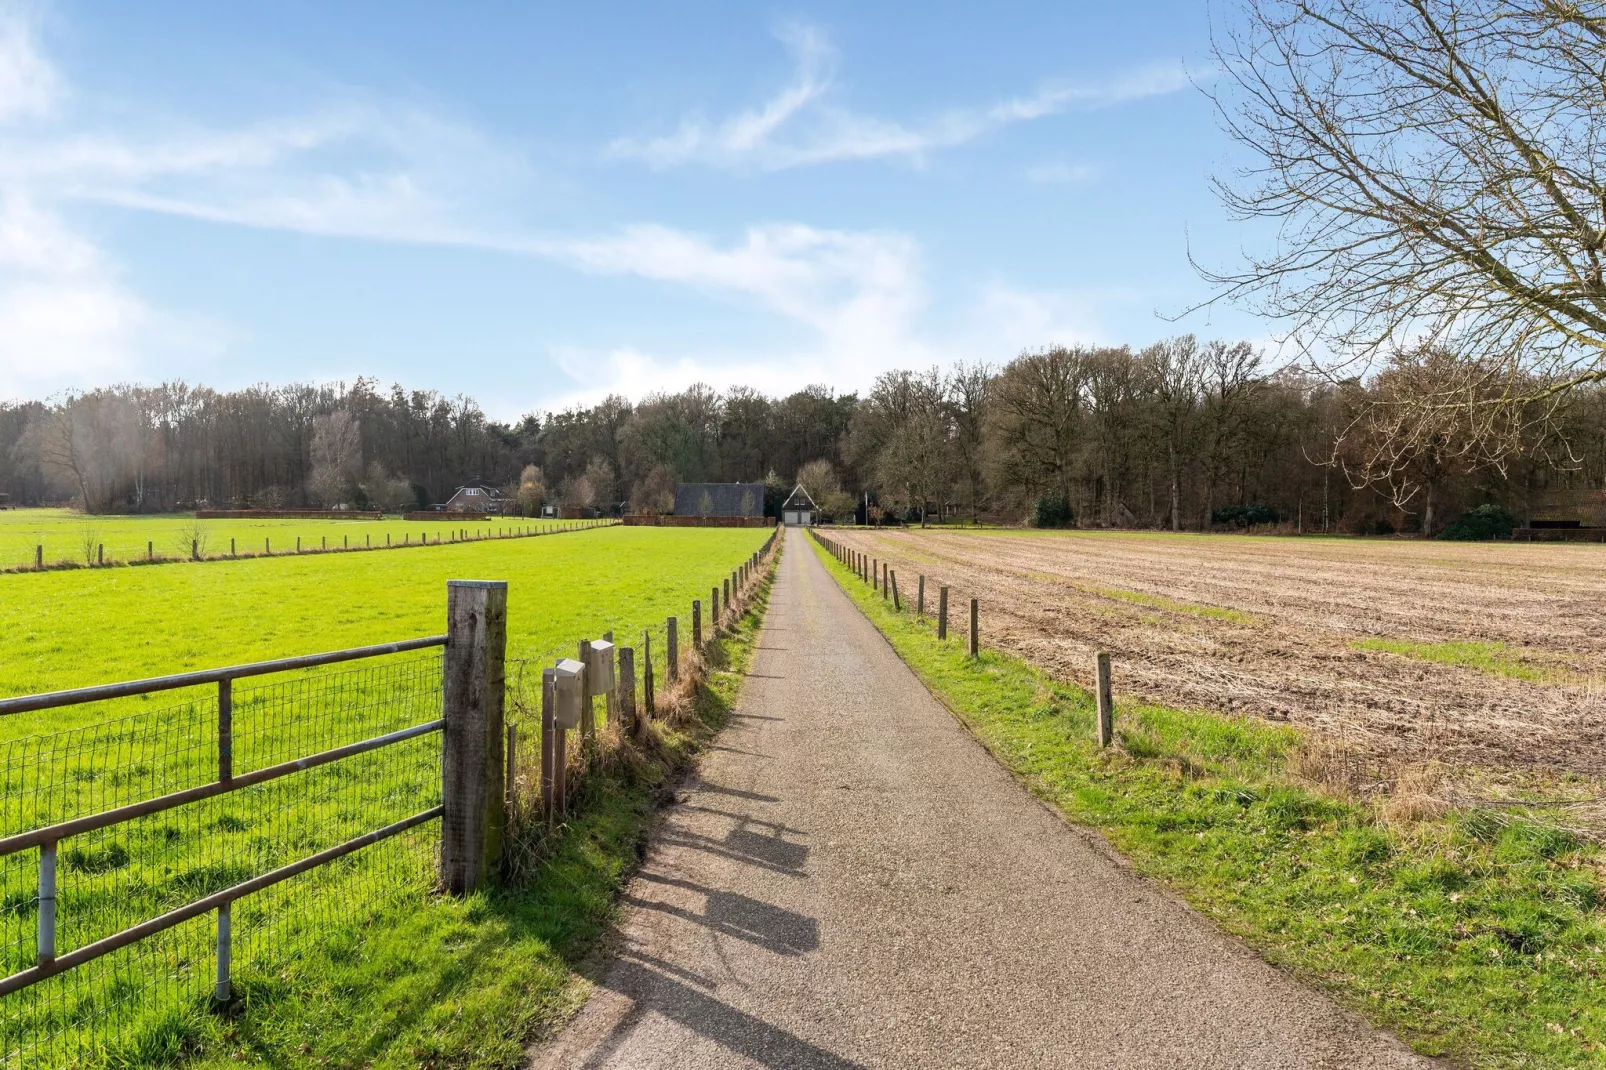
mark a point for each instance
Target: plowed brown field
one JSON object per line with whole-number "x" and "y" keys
{"x": 1269, "y": 626}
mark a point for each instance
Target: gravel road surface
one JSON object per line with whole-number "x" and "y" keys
{"x": 852, "y": 881}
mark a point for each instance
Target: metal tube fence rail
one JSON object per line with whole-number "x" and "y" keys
{"x": 140, "y": 824}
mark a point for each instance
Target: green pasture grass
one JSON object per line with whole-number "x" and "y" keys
{"x": 305, "y": 946}
{"x": 1477, "y": 937}
{"x": 1490, "y": 657}
{"x": 71, "y": 537}
{"x": 81, "y": 627}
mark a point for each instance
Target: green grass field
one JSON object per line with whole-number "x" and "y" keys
{"x": 72, "y": 537}
{"x": 72, "y": 628}
{"x": 1476, "y": 935}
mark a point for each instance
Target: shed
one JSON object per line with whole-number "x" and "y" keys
{"x": 799, "y": 510}
{"x": 475, "y": 498}
{"x": 719, "y": 499}
{"x": 1561, "y": 508}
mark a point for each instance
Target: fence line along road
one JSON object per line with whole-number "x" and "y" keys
{"x": 83, "y": 799}
{"x": 443, "y": 537}
{"x": 881, "y": 573}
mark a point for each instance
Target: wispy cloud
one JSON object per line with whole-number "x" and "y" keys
{"x": 802, "y": 124}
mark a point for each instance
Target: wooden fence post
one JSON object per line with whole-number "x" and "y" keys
{"x": 942, "y": 612}
{"x": 892, "y": 582}
{"x": 886, "y": 581}
{"x": 627, "y": 690}
{"x": 39, "y": 556}
{"x": 672, "y": 652}
{"x": 549, "y": 745}
{"x": 588, "y": 711}
{"x": 975, "y": 645}
{"x": 1106, "y": 707}
{"x": 875, "y": 574}
{"x": 727, "y": 602}
{"x": 610, "y": 702}
{"x": 696, "y": 625}
{"x": 920, "y": 598}
{"x": 471, "y": 747}
{"x": 647, "y": 707}
{"x": 510, "y": 780}
{"x": 713, "y": 614}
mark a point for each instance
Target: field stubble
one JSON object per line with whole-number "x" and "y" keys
{"x": 1486, "y": 656}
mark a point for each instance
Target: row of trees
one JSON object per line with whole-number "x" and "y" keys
{"x": 1180, "y": 434}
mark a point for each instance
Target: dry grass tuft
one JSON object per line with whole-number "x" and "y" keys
{"x": 1420, "y": 794}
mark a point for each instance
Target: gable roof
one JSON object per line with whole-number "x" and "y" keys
{"x": 719, "y": 499}
{"x": 792, "y": 501}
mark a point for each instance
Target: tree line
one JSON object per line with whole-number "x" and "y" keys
{"x": 1182, "y": 434}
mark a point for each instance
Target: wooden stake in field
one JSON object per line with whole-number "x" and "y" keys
{"x": 892, "y": 581}
{"x": 942, "y": 613}
{"x": 1105, "y": 727}
{"x": 150, "y": 551}
{"x": 647, "y": 707}
{"x": 588, "y": 712}
{"x": 672, "y": 649}
{"x": 627, "y": 690}
{"x": 975, "y": 645}
{"x": 696, "y": 625}
{"x": 713, "y": 613}
{"x": 39, "y": 556}
{"x": 920, "y": 597}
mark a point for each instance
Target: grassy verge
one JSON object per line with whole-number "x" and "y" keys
{"x": 1471, "y": 936}
{"x": 1496, "y": 658}
{"x": 470, "y": 982}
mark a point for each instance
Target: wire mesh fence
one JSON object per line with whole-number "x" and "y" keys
{"x": 112, "y": 878}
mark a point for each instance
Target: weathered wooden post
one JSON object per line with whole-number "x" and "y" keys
{"x": 549, "y": 747}
{"x": 267, "y": 546}
{"x": 39, "y": 556}
{"x": 627, "y": 690}
{"x": 727, "y": 602}
{"x": 875, "y": 574}
{"x": 100, "y": 553}
{"x": 893, "y": 583}
{"x": 886, "y": 581}
{"x": 713, "y": 614}
{"x": 472, "y": 688}
{"x": 231, "y": 546}
{"x": 975, "y": 645}
{"x": 588, "y": 712}
{"x": 325, "y": 542}
{"x": 942, "y": 612}
{"x": 920, "y": 597}
{"x": 150, "y": 551}
{"x": 647, "y": 707}
{"x": 696, "y": 625}
{"x": 298, "y": 544}
{"x": 195, "y": 549}
{"x": 672, "y": 650}
{"x": 1106, "y": 706}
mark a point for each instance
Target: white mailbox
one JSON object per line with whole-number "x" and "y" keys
{"x": 601, "y": 667}
{"x": 568, "y": 693}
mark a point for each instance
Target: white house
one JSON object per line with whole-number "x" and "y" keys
{"x": 799, "y": 510}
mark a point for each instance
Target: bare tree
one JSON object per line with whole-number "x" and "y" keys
{"x": 1175, "y": 373}
{"x": 1434, "y": 170}
{"x": 336, "y": 456}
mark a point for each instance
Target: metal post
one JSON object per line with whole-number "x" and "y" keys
{"x": 942, "y": 613}
{"x": 46, "y": 946}
{"x": 672, "y": 649}
{"x": 225, "y": 730}
{"x": 975, "y": 646}
{"x": 510, "y": 778}
{"x": 471, "y": 747}
{"x": 223, "y": 990}
{"x": 1106, "y": 708}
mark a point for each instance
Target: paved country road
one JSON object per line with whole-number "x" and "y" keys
{"x": 852, "y": 881}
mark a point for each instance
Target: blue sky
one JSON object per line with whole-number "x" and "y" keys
{"x": 540, "y": 205}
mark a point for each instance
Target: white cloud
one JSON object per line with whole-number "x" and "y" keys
{"x": 1061, "y": 173}
{"x": 29, "y": 85}
{"x": 800, "y": 125}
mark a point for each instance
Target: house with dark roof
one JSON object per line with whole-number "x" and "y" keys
{"x": 799, "y": 510}
{"x": 476, "y": 498}
{"x": 719, "y": 499}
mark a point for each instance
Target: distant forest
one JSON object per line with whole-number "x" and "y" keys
{"x": 1181, "y": 435}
